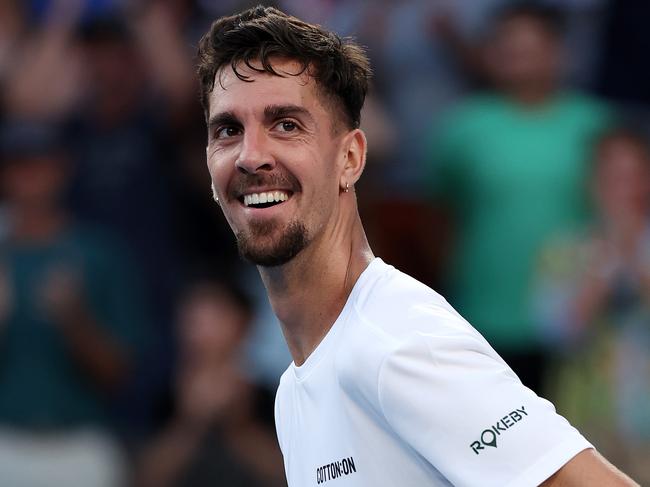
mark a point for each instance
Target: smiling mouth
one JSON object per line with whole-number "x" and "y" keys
{"x": 264, "y": 199}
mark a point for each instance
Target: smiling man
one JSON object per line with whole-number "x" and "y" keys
{"x": 389, "y": 386}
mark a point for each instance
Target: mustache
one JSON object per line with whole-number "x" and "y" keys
{"x": 242, "y": 182}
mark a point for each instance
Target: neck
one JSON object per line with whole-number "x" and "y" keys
{"x": 308, "y": 293}
{"x": 532, "y": 95}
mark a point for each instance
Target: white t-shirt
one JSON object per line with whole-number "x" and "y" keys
{"x": 402, "y": 391}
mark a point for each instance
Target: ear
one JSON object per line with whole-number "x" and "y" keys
{"x": 354, "y": 158}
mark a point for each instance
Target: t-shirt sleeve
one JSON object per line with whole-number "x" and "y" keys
{"x": 454, "y": 401}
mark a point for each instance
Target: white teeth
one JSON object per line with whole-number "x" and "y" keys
{"x": 267, "y": 197}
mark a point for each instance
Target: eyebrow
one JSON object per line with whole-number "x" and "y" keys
{"x": 271, "y": 113}
{"x": 222, "y": 118}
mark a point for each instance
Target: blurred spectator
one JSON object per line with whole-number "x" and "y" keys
{"x": 124, "y": 154}
{"x": 42, "y": 76}
{"x": 416, "y": 71}
{"x": 71, "y": 324}
{"x": 593, "y": 307}
{"x": 213, "y": 437}
{"x": 12, "y": 25}
{"x": 267, "y": 354}
{"x": 510, "y": 163}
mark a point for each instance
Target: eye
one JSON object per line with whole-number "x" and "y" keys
{"x": 287, "y": 126}
{"x": 225, "y": 132}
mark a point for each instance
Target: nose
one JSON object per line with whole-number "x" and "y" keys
{"x": 255, "y": 155}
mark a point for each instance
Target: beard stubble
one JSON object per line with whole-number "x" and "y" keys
{"x": 252, "y": 244}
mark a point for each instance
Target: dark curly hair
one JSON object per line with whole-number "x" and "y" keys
{"x": 339, "y": 67}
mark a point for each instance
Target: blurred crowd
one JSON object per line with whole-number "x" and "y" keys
{"x": 508, "y": 168}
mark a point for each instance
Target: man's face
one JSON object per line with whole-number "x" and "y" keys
{"x": 211, "y": 325}
{"x": 523, "y": 52}
{"x": 622, "y": 180}
{"x": 274, "y": 159}
{"x": 34, "y": 181}
{"x": 115, "y": 77}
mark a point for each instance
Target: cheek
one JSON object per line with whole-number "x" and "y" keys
{"x": 220, "y": 167}
{"x": 325, "y": 187}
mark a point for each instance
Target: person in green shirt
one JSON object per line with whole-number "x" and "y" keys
{"x": 72, "y": 323}
{"x": 510, "y": 164}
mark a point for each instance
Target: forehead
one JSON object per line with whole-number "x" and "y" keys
{"x": 232, "y": 94}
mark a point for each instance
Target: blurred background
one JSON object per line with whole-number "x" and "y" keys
{"x": 508, "y": 168}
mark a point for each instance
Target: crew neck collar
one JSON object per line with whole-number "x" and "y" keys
{"x": 302, "y": 372}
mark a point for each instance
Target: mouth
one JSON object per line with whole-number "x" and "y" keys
{"x": 265, "y": 199}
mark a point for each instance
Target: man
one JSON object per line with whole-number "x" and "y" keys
{"x": 519, "y": 181}
{"x": 389, "y": 385}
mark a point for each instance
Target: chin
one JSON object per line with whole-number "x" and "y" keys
{"x": 279, "y": 252}
{"x": 266, "y": 259}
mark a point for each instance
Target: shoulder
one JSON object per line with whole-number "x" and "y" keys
{"x": 396, "y": 306}
{"x": 392, "y": 316}
{"x": 96, "y": 239}
{"x": 471, "y": 111}
{"x": 478, "y": 103}
{"x": 109, "y": 263}
{"x": 412, "y": 360}
{"x": 585, "y": 108}
{"x": 584, "y": 101}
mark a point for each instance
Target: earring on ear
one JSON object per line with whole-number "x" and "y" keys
{"x": 214, "y": 194}
{"x": 347, "y": 187}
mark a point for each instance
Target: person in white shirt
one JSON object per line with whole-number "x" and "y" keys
{"x": 389, "y": 386}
